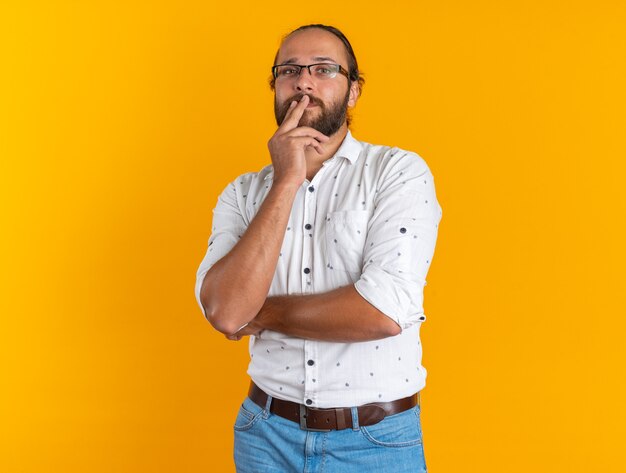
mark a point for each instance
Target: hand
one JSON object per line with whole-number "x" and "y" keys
{"x": 288, "y": 144}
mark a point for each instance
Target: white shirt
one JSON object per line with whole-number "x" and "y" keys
{"x": 369, "y": 218}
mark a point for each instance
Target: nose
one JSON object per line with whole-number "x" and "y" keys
{"x": 304, "y": 81}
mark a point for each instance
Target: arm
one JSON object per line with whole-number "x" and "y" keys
{"x": 235, "y": 287}
{"x": 340, "y": 315}
{"x": 398, "y": 252}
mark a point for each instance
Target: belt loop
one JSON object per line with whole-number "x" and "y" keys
{"x": 341, "y": 418}
{"x": 355, "y": 418}
{"x": 268, "y": 405}
{"x": 418, "y": 399}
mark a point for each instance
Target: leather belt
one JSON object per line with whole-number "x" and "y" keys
{"x": 325, "y": 420}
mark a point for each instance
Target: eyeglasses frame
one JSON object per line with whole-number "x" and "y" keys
{"x": 302, "y": 66}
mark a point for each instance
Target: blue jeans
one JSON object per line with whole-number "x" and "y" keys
{"x": 267, "y": 443}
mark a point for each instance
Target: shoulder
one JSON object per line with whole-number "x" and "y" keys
{"x": 390, "y": 160}
{"x": 250, "y": 177}
{"x": 401, "y": 159}
{"x": 243, "y": 183}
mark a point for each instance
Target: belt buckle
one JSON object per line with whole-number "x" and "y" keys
{"x": 303, "y": 425}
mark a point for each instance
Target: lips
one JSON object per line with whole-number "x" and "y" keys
{"x": 312, "y": 100}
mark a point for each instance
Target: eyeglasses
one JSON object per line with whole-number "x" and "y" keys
{"x": 318, "y": 71}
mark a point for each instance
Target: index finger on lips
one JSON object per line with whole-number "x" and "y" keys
{"x": 294, "y": 114}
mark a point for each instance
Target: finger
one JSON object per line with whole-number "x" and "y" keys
{"x": 313, "y": 143}
{"x": 292, "y": 106}
{"x": 318, "y": 149}
{"x": 306, "y": 141}
{"x": 308, "y": 131}
{"x": 293, "y": 116}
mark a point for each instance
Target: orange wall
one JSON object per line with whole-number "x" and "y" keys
{"x": 121, "y": 122}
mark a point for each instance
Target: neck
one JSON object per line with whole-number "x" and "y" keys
{"x": 314, "y": 160}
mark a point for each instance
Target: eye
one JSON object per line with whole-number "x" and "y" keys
{"x": 324, "y": 70}
{"x": 288, "y": 70}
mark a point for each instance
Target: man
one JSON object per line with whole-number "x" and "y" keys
{"x": 321, "y": 259}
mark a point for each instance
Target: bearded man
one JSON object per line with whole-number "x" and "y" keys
{"x": 321, "y": 259}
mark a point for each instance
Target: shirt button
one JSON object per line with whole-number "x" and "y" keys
{"x": 403, "y": 230}
{"x": 308, "y": 226}
{"x": 307, "y": 270}
{"x": 310, "y": 362}
{"x": 311, "y": 188}
{"x": 309, "y": 402}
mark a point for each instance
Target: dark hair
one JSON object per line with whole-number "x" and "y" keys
{"x": 353, "y": 67}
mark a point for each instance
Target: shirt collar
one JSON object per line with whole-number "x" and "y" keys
{"x": 349, "y": 149}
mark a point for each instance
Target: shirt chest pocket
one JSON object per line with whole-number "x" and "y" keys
{"x": 345, "y": 240}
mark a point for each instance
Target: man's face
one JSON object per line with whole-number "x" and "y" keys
{"x": 329, "y": 98}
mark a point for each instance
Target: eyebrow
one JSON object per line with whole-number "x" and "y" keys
{"x": 316, "y": 58}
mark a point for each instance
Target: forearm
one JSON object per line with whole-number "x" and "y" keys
{"x": 340, "y": 315}
{"x": 235, "y": 288}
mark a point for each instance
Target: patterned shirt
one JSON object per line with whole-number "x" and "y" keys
{"x": 369, "y": 217}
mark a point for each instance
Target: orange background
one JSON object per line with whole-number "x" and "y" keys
{"x": 120, "y": 124}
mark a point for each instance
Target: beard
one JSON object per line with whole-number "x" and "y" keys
{"x": 328, "y": 120}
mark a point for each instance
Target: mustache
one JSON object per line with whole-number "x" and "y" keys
{"x": 298, "y": 97}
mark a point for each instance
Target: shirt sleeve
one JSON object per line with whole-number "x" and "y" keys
{"x": 401, "y": 238}
{"x": 228, "y": 226}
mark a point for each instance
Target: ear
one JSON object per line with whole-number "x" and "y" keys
{"x": 354, "y": 94}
